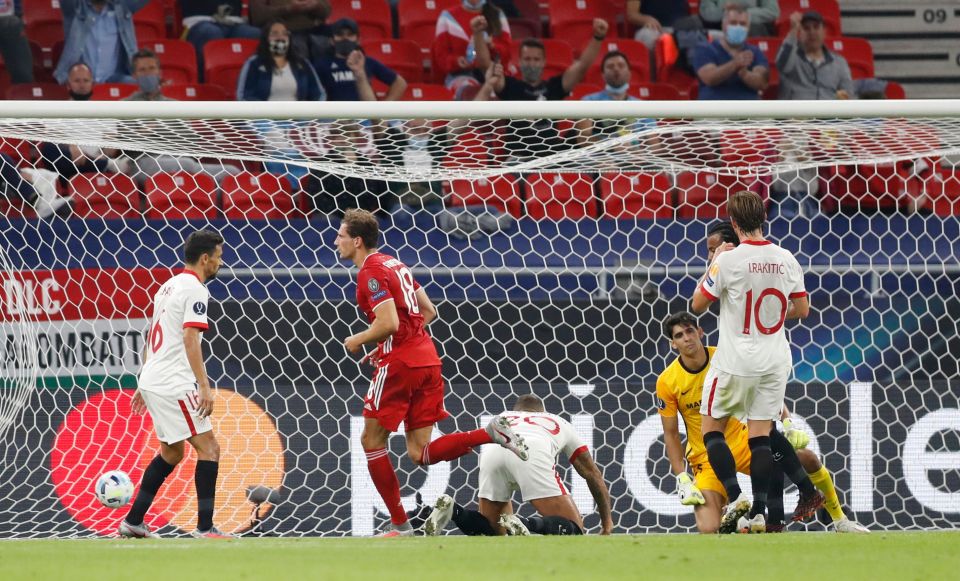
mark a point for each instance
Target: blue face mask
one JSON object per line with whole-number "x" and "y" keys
{"x": 474, "y": 4}
{"x": 617, "y": 90}
{"x": 736, "y": 34}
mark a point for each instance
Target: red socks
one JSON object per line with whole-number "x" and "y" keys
{"x": 453, "y": 446}
{"x": 385, "y": 479}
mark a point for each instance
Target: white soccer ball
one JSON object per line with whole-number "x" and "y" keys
{"x": 113, "y": 489}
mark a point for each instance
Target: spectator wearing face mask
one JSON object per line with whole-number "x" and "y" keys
{"x": 149, "y": 78}
{"x": 277, "y": 73}
{"x": 346, "y": 75}
{"x": 616, "y": 76}
{"x": 729, "y": 68}
{"x": 763, "y": 15}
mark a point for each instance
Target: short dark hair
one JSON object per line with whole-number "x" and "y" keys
{"x": 726, "y": 232}
{"x": 362, "y": 224}
{"x": 528, "y": 403}
{"x": 611, "y": 55}
{"x": 681, "y": 318}
{"x": 533, "y": 43}
{"x": 747, "y": 209}
{"x": 143, "y": 53}
{"x": 199, "y": 243}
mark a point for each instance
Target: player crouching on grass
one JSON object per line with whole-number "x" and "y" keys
{"x": 501, "y": 473}
{"x": 679, "y": 392}
{"x": 174, "y": 388}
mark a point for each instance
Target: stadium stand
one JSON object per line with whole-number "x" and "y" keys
{"x": 181, "y": 196}
{"x": 256, "y": 196}
{"x": 223, "y": 59}
{"x": 555, "y": 196}
{"x": 178, "y": 59}
{"x": 372, "y": 16}
{"x": 637, "y": 195}
{"x": 501, "y": 192}
{"x": 105, "y": 196}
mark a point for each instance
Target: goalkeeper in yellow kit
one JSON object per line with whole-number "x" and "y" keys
{"x": 679, "y": 390}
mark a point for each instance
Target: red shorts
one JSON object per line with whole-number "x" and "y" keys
{"x": 412, "y": 395}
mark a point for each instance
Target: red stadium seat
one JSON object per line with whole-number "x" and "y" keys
{"x": 703, "y": 195}
{"x": 895, "y": 90}
{"x": 418, "y": 20}
{"x": 557, "y": 196}
{"x": 656, "y": 92}
{"x": 112, "y": 91}
{"x": 866, "y": 187}
{"x": 403, "y": 56}
{"x": 665, "y": 53}
{"x": 107, "y": 196}
{"x": 150, "y": 22}
{"x": 427, "y": 92}
{"x": 21, "y": 151}
{"x": 43, "y": 22}
{"x": 572, "y": 20}
{"x": 196, "y": 92}
{"x": 373, "y": 17}
{"x": 770, "y": 46}
{"x": 858, "y": 52}
{"x": 559, "y": 55}
{"x": 637, "y": 195}
{"x": 178, "y": 59}
{"x": 829, "y": 9}
{"x": 581, "y": 90}
{"x": 37, "y": 92}
{"x": 501, "y": 192}
{"x": 181, "y": 196}
{"x": 521, "y": 28}
{"x": 262, "y": 196}
{"x": 943, "y": 191}
{"x": 637, "y": 55}
{"x": 223, "y": 59}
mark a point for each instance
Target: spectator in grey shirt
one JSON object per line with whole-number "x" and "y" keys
{"x": 807, "y": 69}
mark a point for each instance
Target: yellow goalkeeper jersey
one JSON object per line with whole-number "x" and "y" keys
{"x": 679, "y": 390}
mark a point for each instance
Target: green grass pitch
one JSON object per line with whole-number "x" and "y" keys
{"x": 807, "y": 556}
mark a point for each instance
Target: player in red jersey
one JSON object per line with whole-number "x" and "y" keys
{"x": 407, "y": 385}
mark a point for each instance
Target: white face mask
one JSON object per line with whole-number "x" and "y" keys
{"x": 621, "y": 90}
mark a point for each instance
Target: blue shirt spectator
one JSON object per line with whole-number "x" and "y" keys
{"x": 101, "y": 34}
{"x": 346, "y": 73}
{"x": 733, "y": 87}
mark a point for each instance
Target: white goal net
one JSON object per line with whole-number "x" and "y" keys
{"x": 554, "y": 238}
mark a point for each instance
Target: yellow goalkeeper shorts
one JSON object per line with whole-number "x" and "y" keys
{"x": 705, "y": 478}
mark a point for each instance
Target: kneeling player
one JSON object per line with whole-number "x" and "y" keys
{"x": 501, "y": 473}
{"x": 679, "y": 391}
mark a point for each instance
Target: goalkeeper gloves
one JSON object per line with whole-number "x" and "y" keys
{"x": 797, "y": 438}
{"x": 689, "y": 494}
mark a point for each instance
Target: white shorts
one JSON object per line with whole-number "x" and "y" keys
{"x": 175, "y": 415}
{"x": 752, "y": 398}
{"x": 501, "y": 473}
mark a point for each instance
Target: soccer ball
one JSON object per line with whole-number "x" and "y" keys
{"x": 113, "y": 489}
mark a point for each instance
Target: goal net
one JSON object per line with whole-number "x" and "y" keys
{"x": 554, "y": 239}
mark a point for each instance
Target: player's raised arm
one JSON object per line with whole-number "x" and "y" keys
{"x": 386, "y": 324}
{"x": 587, "y": 468}
{"x": 709, "y": 288}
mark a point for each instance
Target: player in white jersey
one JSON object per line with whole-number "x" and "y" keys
{"x": 174, "y": 388}
{"x": 546, "y": 436}
{"x": 759, "y": 286}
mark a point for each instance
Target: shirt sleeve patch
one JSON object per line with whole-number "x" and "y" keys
{"x": 200, "y": 308}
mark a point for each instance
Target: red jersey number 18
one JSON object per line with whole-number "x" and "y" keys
{"x": 409, "y": 293}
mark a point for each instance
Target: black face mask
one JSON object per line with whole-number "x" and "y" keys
{"x": 344, "y": 47}
{"x": 80, "y": 96}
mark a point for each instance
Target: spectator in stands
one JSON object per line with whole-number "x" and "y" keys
{"x": 149, "y": 77}
{"x": 305, "y": 19}
{"x": 36, "y": 187}
{"x": 14, "y": 45}
{"x": 807, "y": 69}
{"x": 469, "y": 37}
{"x": 278, "y": 72}
{"x": 80, "y": 82}
{"x": 530, "y": 138}
{"x": 655, "y": 17}
{"x": 616, "y": 76}
{"x": 763, "y": 14}
{"x": 347, "y": 73}
{"x": 729, "y": 68}
{"x": 206, "y": 20}
{"x": 101, "y": 34}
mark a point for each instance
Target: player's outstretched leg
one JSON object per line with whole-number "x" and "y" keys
{"x": 548, "y": 525}
{"x": 470, "y": 522}
{"x": 810, "y": 498}
{"x": 452, "y": 446}
{"x": 821, "y": 478}
{"x": 514, "y": 525}
{"x": 133, "y": 527}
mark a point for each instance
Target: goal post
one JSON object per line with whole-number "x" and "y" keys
{"x": 554, "y": 238}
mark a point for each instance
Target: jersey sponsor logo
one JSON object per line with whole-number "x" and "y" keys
{"x": 199, "y": 308}
{"x": 373, "y": 285}
{"x": 661, "y": 405}
{"x": 695, "y": 405}
{"x": 379, "y": 295}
